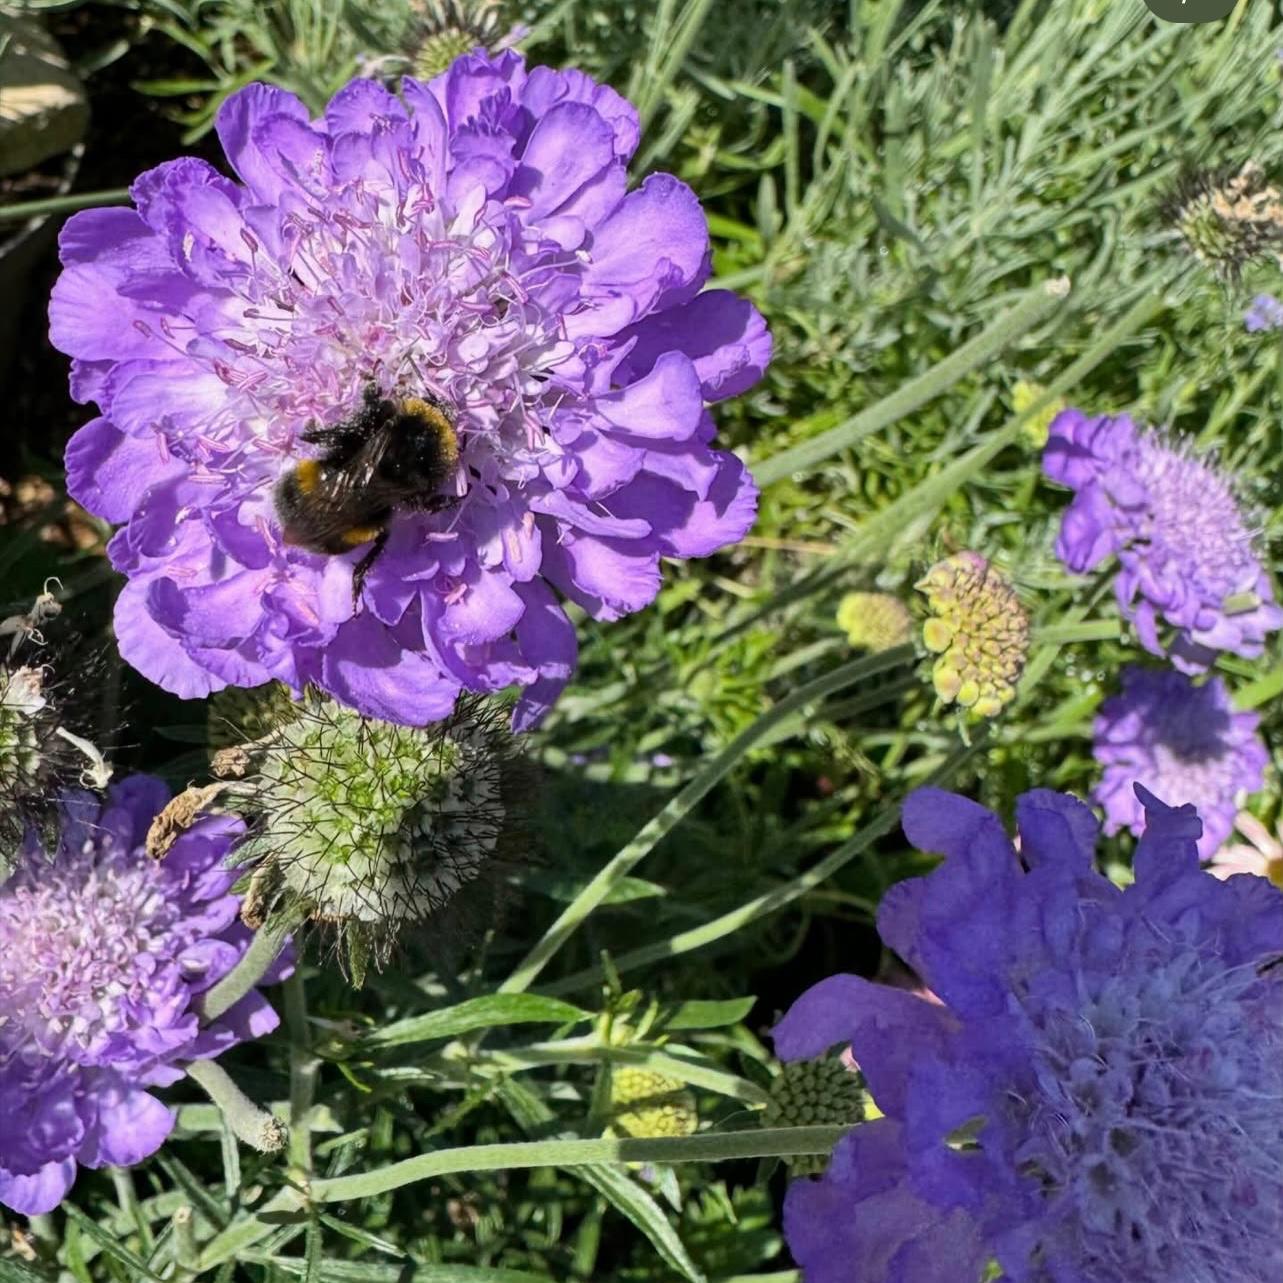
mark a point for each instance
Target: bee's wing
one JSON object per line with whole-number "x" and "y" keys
{"x": 351, "y": 495}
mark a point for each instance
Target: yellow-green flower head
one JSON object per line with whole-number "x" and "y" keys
{"x": 369, "y": 827}
{"x": 874, "y": 620}
{"x": 1038, "y": 426}
{"x": 813, "y": 1093}
{"x": 979, "y": 630}
{"x": 646, "y": 1103}
{"x": 1228, "y": 220}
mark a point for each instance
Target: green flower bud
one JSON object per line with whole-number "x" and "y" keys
{"x": 1037, "y": 427}
{"x": 446, "y": 29}
{"x": 646, "y": 1103}
{"x": 813, "y": 1093}
{"x": 874, "y": 620}
{"x": 371, "y": 828}
{"x": 979, "y": 630}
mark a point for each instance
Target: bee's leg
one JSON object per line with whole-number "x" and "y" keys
{"x": 362, "y": 567}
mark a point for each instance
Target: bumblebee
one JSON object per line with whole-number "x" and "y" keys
{"x": 393, "y": 453}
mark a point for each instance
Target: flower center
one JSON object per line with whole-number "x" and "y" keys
{"x": 81, "y": 945}
{"x": 1158, "y": 1120}
{"x": 1194, "y": 519}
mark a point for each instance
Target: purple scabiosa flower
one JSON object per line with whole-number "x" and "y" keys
{"x": 1265, "y": 313}
{"x": 1183, "y": 542}
{"x": 102, "y": 954}
{"x": 472, "y": 245}
{"x": 1098, "y": 1096}
{"x": 1180, "y": 740}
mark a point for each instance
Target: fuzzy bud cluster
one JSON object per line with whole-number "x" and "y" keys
{"x": 813, "y": 1093}
{"x": 647, "y": 1103}
{"x": 874, "y": 620}
{"x": 978, "y": 629}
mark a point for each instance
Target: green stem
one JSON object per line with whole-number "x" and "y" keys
{"x": 917, "y": 392}
{"x": 62, "y": 204}
{"x": 623, "y": 863}
{"x": 771, "y": 901}
{"x": 1085, "y": 630}
{"x": 706, "y": 1148}
{"x": 303, "y": 1070}
{"x": 127, "y": 1197}
{"x": 256, "y": 1127}
{"x": 183, "y": 1245}
{"x": 262, "y": 952}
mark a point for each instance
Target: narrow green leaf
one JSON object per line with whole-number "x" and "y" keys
{"x": 358, "y": 1235}
{"x": 111, "y": 1246}
{"x": 626, "y": 1196}
{"x": 701, "y": 1013}
{"x": 360, "y": 1272}
{"x": 488, "y": 1011}
{"x": 12, "y": 1271}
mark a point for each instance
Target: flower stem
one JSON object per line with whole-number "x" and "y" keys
{"x": 1013, "y": 325}
{"x": 62, "y": 204}
{"x": 623, "y": 863}
{"x": 708, "y": 1147}
{"x": 260, "y": 955}
{"x": 303, "y": 1070}
{"x": 256, "y": 1127}
{"x": 127, "y": 1197}
{"x": 1083, "y": 630}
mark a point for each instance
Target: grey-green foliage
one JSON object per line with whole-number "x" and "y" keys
{"x": 908, "y": 182}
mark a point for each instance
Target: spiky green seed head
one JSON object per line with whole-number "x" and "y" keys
{"x": 874, "y": 620}
{"x": 646, "y": 1103}
{"x": 978, "y": 630}
{"x": 1228, "y": 220}
{"x": 372, "y": 828}
{"x": 813, "y": 1093}
{"x": 444, "y": 30}
{"x": 239, "y": 714}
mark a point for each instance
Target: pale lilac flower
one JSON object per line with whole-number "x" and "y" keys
{"x": 103, "y": 952}
{"x": 1265, "y": 313}
{"x": 1186, "y": 549}
{"x": 476, "y": 239}
{"x": 1180, "y": 740}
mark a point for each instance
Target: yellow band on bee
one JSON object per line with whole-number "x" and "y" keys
{"x": 306, "y": 474}
{"x": 435, "y": 418}
{"x": 358, "y": 535}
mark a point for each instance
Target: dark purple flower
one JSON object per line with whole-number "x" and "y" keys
{"x": 475, "y": 239}
{"x": 1185, "y": 547}
{"x": 1266, "y": 313}
{"x": 1097, "y": 1099}
{"x": 1181, "y": 741}
{"x": 102, "y": 952}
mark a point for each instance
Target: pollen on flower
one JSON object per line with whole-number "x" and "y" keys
{"x": 979, "y": 631}
{"x": 368, "y": 827}
{"x": 874, "y": 620}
